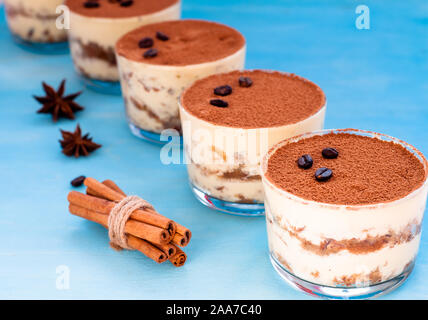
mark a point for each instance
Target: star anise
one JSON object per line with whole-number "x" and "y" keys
{"x": 60, "y": 106}
{"x": 74, "y": 144}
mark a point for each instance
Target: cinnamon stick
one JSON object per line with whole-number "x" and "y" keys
{"x": 138, "y": 229}
{"x": 169, "y": 249}
{"x": 91, "y": 192}
{"x": 182, "y": 236}
{"x": 147, "y": 230}
{"x": 110, "y": 191}
{"x": 147, "y": 249}
{"x": 141, "y": 245}
{"x": 184, "y": 232}
{"x": 109, "y": 183}
{"x": 103, "y": 190}
{"x": 112, "y": 185}
{"x": 90, "y": 202}
{"x": 179, "y": 259}
{"x": 104, "y": 206}
{"x": 180, "y": 240}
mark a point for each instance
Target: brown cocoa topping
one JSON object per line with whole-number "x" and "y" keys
{"x": 274, "y": 99}
{"x": 367, "y": 171}
{"x": 190, "y": 42}
{"x": 114, "y": 9}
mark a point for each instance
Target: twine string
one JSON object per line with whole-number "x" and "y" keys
{"x": 118, "y": 217}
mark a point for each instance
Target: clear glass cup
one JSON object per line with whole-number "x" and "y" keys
{"x": 33, "y": 25}
{"x": 223, "y": 162}
{"x": 151, "y": 91}
{"x": 92, "y": 41}
{"x": 296, "y": 227}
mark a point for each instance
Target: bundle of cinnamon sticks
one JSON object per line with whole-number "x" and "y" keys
{"x": 147, "y": 231}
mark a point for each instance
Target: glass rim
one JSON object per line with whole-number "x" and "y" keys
{"x": 372, "y": 134}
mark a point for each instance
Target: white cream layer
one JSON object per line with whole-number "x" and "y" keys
{"x": 35, "y": 21}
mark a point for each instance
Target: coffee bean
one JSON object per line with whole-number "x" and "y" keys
{"x": 162, "y": 36}
{"x": 330, "y": 153}
{"x": 151, "y": 53}
{"x": 219, "y": 103}
{"x": 146, "y": 42}
{"x": 323, "y": 174}
{"x": 91, "y": 4}
{"x": 245, "y": 82}
{"x": 126, "y": 3}
{"x": 223, "y": 90}
{"x": 305, "y": 161}
{"x": 77, "y": 182}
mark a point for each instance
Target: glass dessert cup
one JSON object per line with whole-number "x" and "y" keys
{"x": 92, "y": 41}
{"x": 33, "y": 25}
{"x": 298, "y": 229}
{"x": 223, "y": 162}
{"x": 151, "y": 91}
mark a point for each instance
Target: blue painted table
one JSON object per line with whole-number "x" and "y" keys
{"x": 374, "y": 79}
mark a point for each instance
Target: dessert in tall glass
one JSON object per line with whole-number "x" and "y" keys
{"x": 344, "y": 211}
{"x": 96, "y": 25}
{"x": 158, "y": 61}
{"x": 33, "y": 24}
{"x": 230, "y": 120}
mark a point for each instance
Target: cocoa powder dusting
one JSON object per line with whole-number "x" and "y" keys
{"x": 190, "y": 42}
{"x": 112, "y": 9}
{"x": 367, "y": 170}
{"x": 273, "y": 99}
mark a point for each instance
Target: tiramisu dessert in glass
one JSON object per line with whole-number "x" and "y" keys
{"x": 230, "y": 120}
{"x": 96, "y": 25}
{"x": 33, "y": 23}
{"x": 344, "y": 211}
{"x": 158, "y": 61}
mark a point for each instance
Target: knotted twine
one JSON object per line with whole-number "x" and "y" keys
{"x": 118, "y": 217}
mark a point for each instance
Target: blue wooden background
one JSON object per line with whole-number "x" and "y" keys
{"x": 374, "y": 79}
